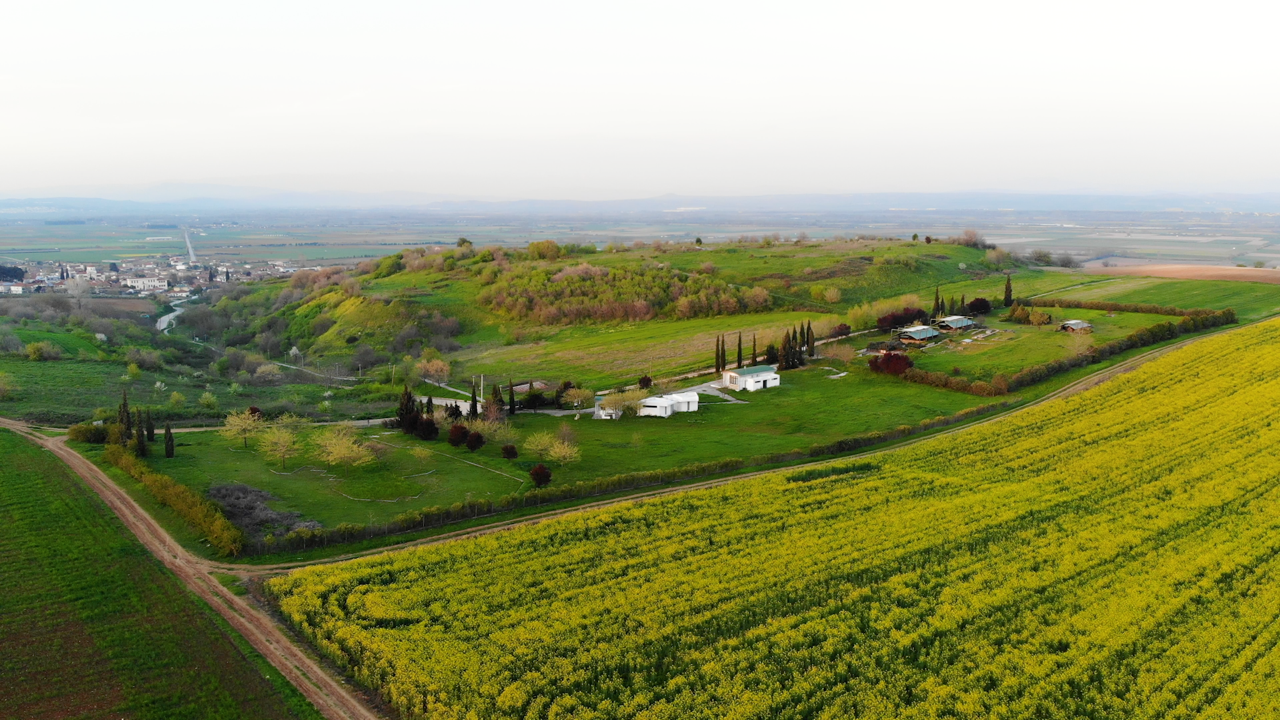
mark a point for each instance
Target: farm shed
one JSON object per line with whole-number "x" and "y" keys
{"x": 751, "y": 379}
{"x": 1079, "y": 326}
{"x": 668, "y": 405}
{"x": 955, "y": 322}
{"x": 918, "y": 334}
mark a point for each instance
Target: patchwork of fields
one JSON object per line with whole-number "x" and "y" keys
{"x": 92, "y": 626}
{"x": 1100, "y": 555}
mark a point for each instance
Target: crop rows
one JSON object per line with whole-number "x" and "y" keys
{"x": 1111, "y": 554}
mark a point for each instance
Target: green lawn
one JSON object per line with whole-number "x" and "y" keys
{"x": 62, "y": 392}
{"x": 809, "y": 407}
{"x": 71, "y": 344}
{"x": 1251, "y": 301}
{"x": 1017, "y": 347}
{"x": 92, "y": 626}
{"x": 604, "y": 356}
{"x": 366, "y": 495}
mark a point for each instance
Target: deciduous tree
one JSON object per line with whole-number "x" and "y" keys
{"x": 242, "y": 425}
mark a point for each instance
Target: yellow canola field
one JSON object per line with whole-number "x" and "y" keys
{"x": 1110, "y": 554}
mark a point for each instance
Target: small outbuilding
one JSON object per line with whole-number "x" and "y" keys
{"x": 751, "y": 379}
{"x": 956, "y": 322}
{"x": 668, "y": 405}
{"x": 918, "y": 334}
{"x": 1076, "y": 326}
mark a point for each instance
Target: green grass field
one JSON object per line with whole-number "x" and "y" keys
{"x": 1017, "y": 347}
{"x": 366, "y": 495}
{"x": 91, "y": 626}
{"x": 605, "y": 356}
{"x": 1251, "y": 301}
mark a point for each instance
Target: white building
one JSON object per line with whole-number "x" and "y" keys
{"x": 955, "y": 322}
{"x": 1079, "y": 326}
{"x": 751, "y": 379}
{"x": 147, "y": 283}
{"x": 918, "y": 333}
{"x": 668, "y": 405}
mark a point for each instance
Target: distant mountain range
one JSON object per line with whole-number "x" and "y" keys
{"x": 171, "y": 200}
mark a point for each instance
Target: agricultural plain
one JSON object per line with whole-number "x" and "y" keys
{"x": 1110, "y": 554}
{"x": 92, "y": 626}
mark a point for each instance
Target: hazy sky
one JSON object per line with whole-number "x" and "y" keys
{"x": 600, "y": 100}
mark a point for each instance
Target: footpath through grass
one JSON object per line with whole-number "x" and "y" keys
{"x": 92, "y": 626}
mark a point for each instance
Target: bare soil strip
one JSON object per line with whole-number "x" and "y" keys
{"x": 1193, "y": 272}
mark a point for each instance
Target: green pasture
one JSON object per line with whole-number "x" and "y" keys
{"x": 1251, "y": 301}
{"x": 370, "y": 494}
{"x": 62, "y": 392}
{"x": 607, "y": 355}
{"x": 1016, "y": 347}
{"x": 91, "y": 625}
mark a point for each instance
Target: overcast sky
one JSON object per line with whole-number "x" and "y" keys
{"x": 600, "y": 100}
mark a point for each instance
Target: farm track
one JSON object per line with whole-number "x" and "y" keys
{"x": 329, "y": 695}
{"x": 332, "y": 696}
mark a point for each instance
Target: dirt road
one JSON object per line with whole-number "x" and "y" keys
{"x": 329, "y": 695}
{"x": 332, "y": 696}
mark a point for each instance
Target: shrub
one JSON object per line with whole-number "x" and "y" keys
{"x": 540, "y": 475}
{"x": 539, "y": 443}
{"x": 890, "y": 363}
{"x": 979, "y": 306}
{"x": 458, "y": 435}
{"x": 88, "y": 433}
{"x": 426, "y": 429}
{"x": 646, "y": 382}
{"x": 509, "y": 452}
{"x": 475, "y": 441}
{"x": 564, "y": 452}
{"x": 43, "y": 350}
{"x": 899, "y": 318}
{"x": 7, "y": 386}
{"x": 177, "y": 400}
{"x": 840, "y": 330}
{"x": 209, "y": 401}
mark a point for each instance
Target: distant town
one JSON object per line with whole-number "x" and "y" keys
{"x": 176, "y": 276}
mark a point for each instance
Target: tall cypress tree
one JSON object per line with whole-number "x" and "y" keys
{"x": 753, "y": 349}
{"x": 430, "y": 409}
{"x": 813, "y": 352}
{"x": 473, "y": 411}
{"x": 511, "y": 407}
{"x": 168, "y": 441}
{"x": 123, "y": 418}
{"x": 407, "y": 411}
{"x": 717, "y": 360}
{"x": 151, "y": 427}
{"x": 784, "y": 353}
{"x": 1008, "y": 290}
{"x": 139, "y": 437}
{"x": 739, "y": 351}
{"x": 963, "y": 307}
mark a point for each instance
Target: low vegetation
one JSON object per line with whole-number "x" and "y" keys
{"x": 92, "y": 626}
{"x": 1099, "y": 554}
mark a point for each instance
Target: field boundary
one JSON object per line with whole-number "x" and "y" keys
{"x": 330, "y": 696}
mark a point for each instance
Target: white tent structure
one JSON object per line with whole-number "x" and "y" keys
{"x": 668, "y": 405}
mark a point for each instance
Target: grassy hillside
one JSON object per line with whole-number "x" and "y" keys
{"x": 1103, "y": 555}
{"x": 91, "y": 626}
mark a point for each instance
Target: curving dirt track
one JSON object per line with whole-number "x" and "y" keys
{"x": 332, "y": 696}
{"x": 329, "y": 695}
